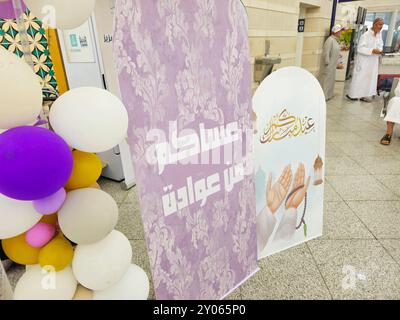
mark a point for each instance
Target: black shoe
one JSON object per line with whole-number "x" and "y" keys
{"x": 366, "y": 100}
{"x": 386, "y": 140}
{"x": 352, "y": 99}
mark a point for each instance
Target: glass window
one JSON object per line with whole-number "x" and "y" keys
{"x": 387, "y": 16}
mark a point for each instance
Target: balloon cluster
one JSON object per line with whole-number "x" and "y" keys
{"x": 54, "y": 217}
{"x": 53, "y": 13}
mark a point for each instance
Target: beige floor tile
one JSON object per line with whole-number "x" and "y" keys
{"x": 393, "y": 247}
{"x": 132, "y": 196}
{"x": 360, "y": 188}
{"x": 391, "y": 182}
{"x": 333, "y": 151}
{"x": 114, "y": 189}
{"x": 380, "y": 165}
{"x": 357, "y": 269}
{"x": 340, "y": 136}
{"x": 341, "y": 223}
{"x": 236, "y": 295}
{"x": 356, "y": 150}
{"x": 373, "y": 135}
{"x": 343, "y": 166}
{"x": 330, "y": 193}
{"x": 333, "y": 125}
{"x": 394, "y": 147}
{"x": 382, "y": 218}
{"x": 130, "y": 221}
{"x": 357, "y": 125}
{"x": 291, "y": 274}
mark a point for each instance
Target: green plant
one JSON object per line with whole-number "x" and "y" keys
{"x": 346, "y": 37}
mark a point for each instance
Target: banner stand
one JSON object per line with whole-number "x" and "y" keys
{"x": 185, "y": 75}
{"x": 289, "y": 143}
{"x": 240, "y": 284}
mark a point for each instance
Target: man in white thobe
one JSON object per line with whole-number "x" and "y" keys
{"x": 329, "y": 63}
{"x": 365, "y": 75}
{"x": 392, "y": 116}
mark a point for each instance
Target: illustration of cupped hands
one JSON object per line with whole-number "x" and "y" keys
{"x": 278, "y": 192}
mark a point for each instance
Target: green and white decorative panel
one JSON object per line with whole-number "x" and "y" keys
{"x": 39, "y": 47}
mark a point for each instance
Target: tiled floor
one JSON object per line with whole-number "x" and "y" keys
{"x": 359, "y": 255}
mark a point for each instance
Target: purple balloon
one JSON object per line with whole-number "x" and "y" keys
{"x": 52, "y": 204}
{"x": 7, "y": 9}
{"x": 35, "y": 163}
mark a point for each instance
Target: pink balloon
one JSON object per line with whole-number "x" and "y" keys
{"x": 7, "y": 9}
{"x": 52, "y": 204}
{"x": 40, "y": 235}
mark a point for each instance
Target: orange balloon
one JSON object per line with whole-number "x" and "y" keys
{"x": 52, "y": 219}
{"x": 86, "y": 170}
{"x": 19, "y": 251}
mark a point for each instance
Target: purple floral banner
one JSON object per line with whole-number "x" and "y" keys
{"x": 185, "y": 78}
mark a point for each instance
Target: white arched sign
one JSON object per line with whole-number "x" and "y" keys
{"x": 289, "y": 142}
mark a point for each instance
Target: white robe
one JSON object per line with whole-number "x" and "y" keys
{"x": 267, "y": 223}
{"x": 330, "y": 60}
{"x": 393, "y": 110}
{"x": 366, "y": 68}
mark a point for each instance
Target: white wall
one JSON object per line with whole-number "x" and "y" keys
{"x": 104, "y": 13}
{"x": 277, "y": 21}
{"x": 82, "y": 74}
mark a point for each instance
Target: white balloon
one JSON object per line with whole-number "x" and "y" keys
{"x": 101, "y": 265}
{"x": 39, "y": 284}
{"x": 21, "y": 92}
{"x": 62, "y": 14}
{"x": 88, "y": 215}
{"x": 89, "y": 119}
{"x": 16, "y": 217}
{"x": 133, "y": 286}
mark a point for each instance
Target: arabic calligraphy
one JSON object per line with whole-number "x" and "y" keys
{"x": 199, "y": 191}
{"x": 286, "y": 126}
{"x": 186, "y": 146}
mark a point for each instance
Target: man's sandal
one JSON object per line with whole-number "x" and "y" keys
{"x": 350, "y": 98}
{"x": 386, "y": 140}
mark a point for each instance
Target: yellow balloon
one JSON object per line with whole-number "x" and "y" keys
{"x": 19, "y": 251}
{"x": 86, "y": 171}
{"x": 51, "y": 219}
{"x": 95, "y": 186}
{"x": 58, "y": 253}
